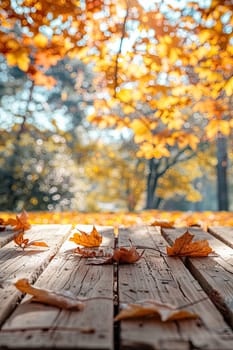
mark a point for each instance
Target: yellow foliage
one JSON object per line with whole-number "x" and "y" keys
{"x": 40, "y": 40}
{"x": 19, "y": 58}
{"x": 180, "y": 219}
{"x": 229, "y": 87}
{"x": 178, "y": 181}
{"x": 127, "y": 95}
{"x": 204, "y": 35}
{"x": 215, "y": 126}
{"x": 140, "y": 127}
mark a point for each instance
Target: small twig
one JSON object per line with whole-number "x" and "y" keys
{"x": 156, "y": 249}
{"x": 192, "y": 303}
{"x": 119, "y": 50}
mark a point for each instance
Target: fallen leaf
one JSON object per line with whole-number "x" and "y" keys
{"x": 24, "y": 242}
{"x": 183, "y": 246}
{"x": 121, "y": 256}
{"x": 94, "y": 239}
{"x": 125, "y": 255}
{"x": 165, "y": 312}
{"x": 20, "y": 223}
{"x": 163, "y": 223}
{"x": 45, "y": 296}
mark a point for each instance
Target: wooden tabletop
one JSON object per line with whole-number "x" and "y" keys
{"x": 203, "y": 285}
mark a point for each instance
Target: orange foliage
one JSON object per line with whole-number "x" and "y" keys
{"x": 184, "y": 246}
{"x": 94, "y": 239}
{"x": 181, "y": 219}
{"x": 20, "y": 223}
{"x": 24, "y": 242}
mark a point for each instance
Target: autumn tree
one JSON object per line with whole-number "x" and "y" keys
{"x": 115, "y": 177}
{"x": 178, "y": 64}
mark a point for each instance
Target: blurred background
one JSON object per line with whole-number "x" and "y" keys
{"x": 116, "y": 107}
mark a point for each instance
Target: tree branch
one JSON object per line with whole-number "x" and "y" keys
{"x": 120, "y": 48}
{"x": 26, "y": 112}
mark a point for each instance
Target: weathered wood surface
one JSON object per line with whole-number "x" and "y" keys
{"x": 224, "y": 233}
{"x": 29, "y": 263}
{"x": 6, "y": 236}
{"x": 187, "y": 282}
{"x": 39, "y": 326}
{"x": 166, "y": 279}
{"x": 214, "y": 273}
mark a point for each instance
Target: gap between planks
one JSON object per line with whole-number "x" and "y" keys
{"x": 214, "y": 273}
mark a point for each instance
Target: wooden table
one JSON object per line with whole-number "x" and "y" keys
{"x": 205, "y": 284}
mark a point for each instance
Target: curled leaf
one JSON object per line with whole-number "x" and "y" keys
{"x": 165, "y": 312}
{"x": 127, "y": 256}
{"x": 163, "y": 223}
{"x": 121, "y": 256}
{"x": 94, "y": 239}
{"x": 20, "y": 223}
{"x": 45, "y": 296}
{"x": 183, "y": 246}
{"x": 24, "y": 242}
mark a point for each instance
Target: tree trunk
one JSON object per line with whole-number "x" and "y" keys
{"x": 222, "y": 186}
{"x": 152, "y": 179}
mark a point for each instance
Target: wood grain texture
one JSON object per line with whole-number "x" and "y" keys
{"x": 223, "y": 233}
{"x": 5, "y": 237}
{"x": 166, "y": 279}
{"x": 214, "y": 273}
{"x": 29, "y": 263}
{"x": 42, "y": 326}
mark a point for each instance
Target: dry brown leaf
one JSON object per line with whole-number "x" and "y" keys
{"x": 24, "y": 242}
{"x": 20, "y": 223}
{"x": 121, "y": 256}
{"x": 49, "y": 297}
{"x": 94, "y": 239}
{"x": 165, "y": 312}
{"x": 126, "y": 256}
{"x": 183, "y": 246}
{"x": 163, "y": 223}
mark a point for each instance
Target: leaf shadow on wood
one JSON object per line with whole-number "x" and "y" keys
{"x": 14, "y": 252}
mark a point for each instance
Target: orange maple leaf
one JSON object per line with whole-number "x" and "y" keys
{"x": 24, "y": 242}
{"x": 183, "y": 246}
{"x": 45, "y": 296}
{"x": 165, "y": 312}
{"x": 20, "y": 223}
{"x": 94, "y": 239}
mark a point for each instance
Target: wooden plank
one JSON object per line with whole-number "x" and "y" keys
{"x": 214, "y": 273}
{"x": 5, "y": 237}
{"x": 39, "y": 326}
{"x": 29, "y": 263}
{"x": 166, "y": 279}
{"x": 224, "y": 233}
